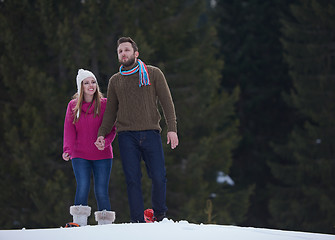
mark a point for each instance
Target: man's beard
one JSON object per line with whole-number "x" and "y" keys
{"x": 128, "y": 63}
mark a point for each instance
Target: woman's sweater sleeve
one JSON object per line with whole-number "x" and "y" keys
{"x": 69, "y": 131}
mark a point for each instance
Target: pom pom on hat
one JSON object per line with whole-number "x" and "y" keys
{"x": 82, "y": 74}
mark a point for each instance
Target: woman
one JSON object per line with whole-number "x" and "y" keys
{"x": 83, "y": 118}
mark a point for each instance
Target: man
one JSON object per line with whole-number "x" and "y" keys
{"x": 132, "y": 98}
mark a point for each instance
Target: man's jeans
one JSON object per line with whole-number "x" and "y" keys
{"x": 147, "y": 145}
{"x": 101, "y": 173}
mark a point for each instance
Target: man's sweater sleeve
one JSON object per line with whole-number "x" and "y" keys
{"x": 110, "y": 137}
{"x": 165, "y": 99}
{"x": 110, "y": 112}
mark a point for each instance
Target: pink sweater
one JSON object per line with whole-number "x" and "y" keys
{"x": 79, "y": 138}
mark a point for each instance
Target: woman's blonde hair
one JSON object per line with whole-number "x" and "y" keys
{"x": 96, "y": 100}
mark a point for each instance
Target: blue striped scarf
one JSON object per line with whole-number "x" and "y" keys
{"x": 144, "y": 79}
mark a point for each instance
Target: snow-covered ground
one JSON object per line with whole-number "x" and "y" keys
{"x": 165, "y": 230}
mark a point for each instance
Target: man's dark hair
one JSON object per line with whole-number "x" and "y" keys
{"x": 127, "y": 39}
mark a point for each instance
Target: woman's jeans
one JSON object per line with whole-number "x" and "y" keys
{"x": 101, "y": 173}
{"x": 147, "y": 145}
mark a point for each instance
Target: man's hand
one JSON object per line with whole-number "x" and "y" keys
{"x": 100, "y": 143}
{"x": 172, "y": 138}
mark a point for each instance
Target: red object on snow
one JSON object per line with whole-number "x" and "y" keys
{"x": 71, "y": 224}
{"x": 149, "y": 215}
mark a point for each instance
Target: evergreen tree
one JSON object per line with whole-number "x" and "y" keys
{"x": 34, "y": 182}
{"x": 303, "y": 197}
{"x": 249, "y": 34}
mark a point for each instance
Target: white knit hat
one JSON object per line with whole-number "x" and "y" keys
{"x": 82, "y": 74}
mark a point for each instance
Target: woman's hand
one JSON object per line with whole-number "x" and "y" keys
{"x": 100, "y": 143}
{"x": 66, "y": 156}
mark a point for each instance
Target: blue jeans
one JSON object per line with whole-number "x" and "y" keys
{"x": 146, "y": 145}
{"x": 82, "y": 169}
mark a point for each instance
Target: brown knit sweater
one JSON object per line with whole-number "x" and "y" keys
{"x": 134, "y": 108}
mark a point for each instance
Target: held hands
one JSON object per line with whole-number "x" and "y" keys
{"x": 100, "y": 143}
{"x": 66, "y": 156}
{"x": 172, "y": 138}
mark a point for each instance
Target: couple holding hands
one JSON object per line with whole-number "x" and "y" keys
{"x": 131, "y": 111}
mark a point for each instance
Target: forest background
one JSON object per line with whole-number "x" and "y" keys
{"x": 253, "y": 84}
